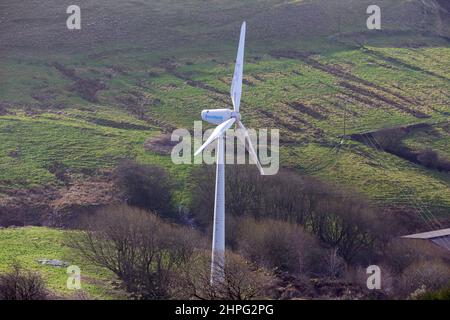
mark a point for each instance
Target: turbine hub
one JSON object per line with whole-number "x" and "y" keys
{"x": 236, "y": 115}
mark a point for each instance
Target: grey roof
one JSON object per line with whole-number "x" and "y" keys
{"x": 429, "y": 235}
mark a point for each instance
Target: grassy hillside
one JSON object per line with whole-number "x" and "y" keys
{"x": 86, "y": 99}
{"x": 25, "y": 246}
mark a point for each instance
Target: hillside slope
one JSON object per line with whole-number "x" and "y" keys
{"x": 74, "y": 103}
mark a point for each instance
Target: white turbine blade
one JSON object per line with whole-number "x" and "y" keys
{"x": 249, "y": 146}
{"x": 236, "y": 85}
{"x": 219, "y": 130}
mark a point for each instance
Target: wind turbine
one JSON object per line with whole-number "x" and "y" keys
{"x": 225, "y": 118}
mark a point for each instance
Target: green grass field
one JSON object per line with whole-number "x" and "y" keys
{"x": 25, "y": 246}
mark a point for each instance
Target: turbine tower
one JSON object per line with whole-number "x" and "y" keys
{"x": 225, "y": 118}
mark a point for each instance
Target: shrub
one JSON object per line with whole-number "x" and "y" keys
{"x": 389, "y": 139}
{"x": 423, "y": 276}
{"x": 338, "y": 218}
{"x": 145, "y": 186}
{"x": 347, "y": 224}
{"x": 140, "y": 248}
{"x": 285, "y": 196}
{"x": 243, "y": 280}
{"x": 22, "y": 285}
{"x": 401, "y": 254}
{"x": 279, "y": 245}
{"x": 241, "y": 187}
{"x": 431, "y": 159}
{"x": 332, "y": 265}
{"x": 443, "y": 294}
{"x": 428, "y": 158}
{"x": 358, "y": 275}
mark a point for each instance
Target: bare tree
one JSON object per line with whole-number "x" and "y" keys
{"x": 334, "y": 264}
{"x": 339, "y": 218}
{"x": 280, "y": 245}
{"x": 145, "y": 186}
{"x": 140, "y": 248}
{"x": 346, "y": 224}
{"x": 426, "y": 276}
{"x": 22, "y": 285}
{"x": 286, "y": 196}
{"x": 243, "y": 280}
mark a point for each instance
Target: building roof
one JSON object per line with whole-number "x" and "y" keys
{"x": 429, "y": 235}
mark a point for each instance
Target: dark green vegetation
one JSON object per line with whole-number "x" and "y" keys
{"x": 75, "y": 104}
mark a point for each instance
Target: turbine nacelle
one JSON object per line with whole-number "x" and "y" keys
{"x": 218, "y": 116}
